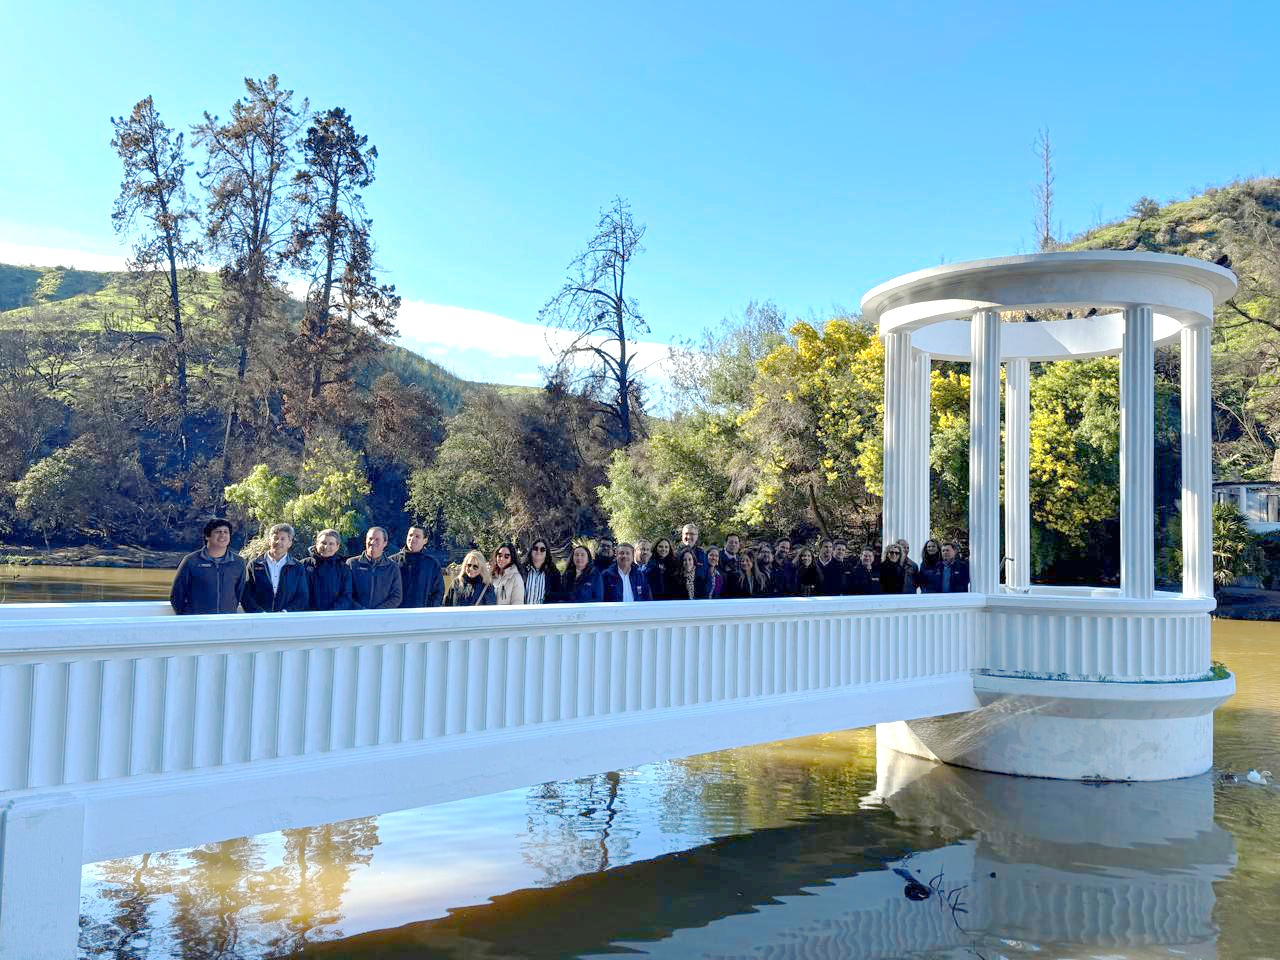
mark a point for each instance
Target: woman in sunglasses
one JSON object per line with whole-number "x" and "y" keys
{"x": 541, "y": 576}
{"x": 471, "y": 587}
{"x": 507, "y": 581}
{"x": 895, "y": 575}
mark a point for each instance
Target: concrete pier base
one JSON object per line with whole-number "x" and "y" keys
{"x": 1072, "y": 730}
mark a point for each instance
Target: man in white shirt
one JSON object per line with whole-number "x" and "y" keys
{"x": 624, "y": 582}
{"x": 277, "y": 583}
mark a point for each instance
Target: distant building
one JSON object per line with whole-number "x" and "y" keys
{"x": 1259, "y": 501}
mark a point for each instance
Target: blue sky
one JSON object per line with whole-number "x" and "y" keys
{"x": 796, "y": 152}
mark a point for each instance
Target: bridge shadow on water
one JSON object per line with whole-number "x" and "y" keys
{"x": 919, "y": 860}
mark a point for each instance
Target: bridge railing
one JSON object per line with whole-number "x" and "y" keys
{"x": 122, "y": 697}
{"x": 1095, "y": 634}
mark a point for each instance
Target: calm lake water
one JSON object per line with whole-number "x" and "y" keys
{"x": 787, "y": 850}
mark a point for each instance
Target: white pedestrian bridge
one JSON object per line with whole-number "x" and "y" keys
{"x": 127, "y": 729}
{"x": 124, "y": 729}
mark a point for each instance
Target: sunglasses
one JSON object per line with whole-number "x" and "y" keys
{"x": 538, "y": 549}
{"x": 472, "y": 566}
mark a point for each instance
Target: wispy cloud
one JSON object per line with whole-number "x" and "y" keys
{"x": 27, "y": 255}
{"x": 513, "y": 350}
{"x": 472, "y": 343}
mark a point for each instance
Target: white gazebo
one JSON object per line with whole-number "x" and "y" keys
{"x": 1125, "y": 304}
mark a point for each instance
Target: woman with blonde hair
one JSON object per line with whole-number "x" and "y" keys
{"x": 507, "y": 581}
{"x": 471, "y": 587}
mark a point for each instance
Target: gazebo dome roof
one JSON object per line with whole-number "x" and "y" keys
{"x": 935, "y": 304}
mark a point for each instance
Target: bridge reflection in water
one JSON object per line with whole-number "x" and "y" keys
{"x": 1027, "y": 864}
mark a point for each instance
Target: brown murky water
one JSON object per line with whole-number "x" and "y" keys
{"x": 787, "y": 850}
{"x": 22, "y": 584}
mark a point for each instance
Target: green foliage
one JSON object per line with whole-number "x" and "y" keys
{"x": 84, "y": 490}
{"x": 1075, "y": 437}
{"x": 949, "y": 452}
{"x": 17, "y": 285}
{"x": 329, "y": 496}
{"x": 815, "y": 422}
{"x": 335, "y": 502}
{"x": 1219, "y": 671}
{"x": 677, "y": 476}
{"x": 262, "y": 495}
{"x": 1235, "y": 548}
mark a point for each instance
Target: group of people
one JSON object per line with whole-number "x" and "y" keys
{"x": 215, "y": 580}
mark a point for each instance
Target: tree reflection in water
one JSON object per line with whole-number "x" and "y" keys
{"x": 223, "y": 900}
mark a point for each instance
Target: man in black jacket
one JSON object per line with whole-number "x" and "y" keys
{"x": 604, "y": 554}
{"x": 375, "y": 580}
{"x": 831, "y": 572}
{"x": 729, "y": 555}
{"x": 210, "y": 579}
{"x": 277, "y": 583}
{"x": 421, "y": 583}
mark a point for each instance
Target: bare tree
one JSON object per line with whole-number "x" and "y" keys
{"x": 347, "y": 312}
{"x": 593, "y": 305}
{"x": 153, "y": 193}
{"x": 248, "y": 169}
{"x": 1045, "y": 239}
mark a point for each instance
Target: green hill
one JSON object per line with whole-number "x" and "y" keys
{"x": 80, "y": 299}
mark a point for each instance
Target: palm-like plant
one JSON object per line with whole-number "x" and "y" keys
{"x": 1233, "y": 544}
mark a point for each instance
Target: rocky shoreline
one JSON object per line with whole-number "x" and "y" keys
{"x": 84, "y": 556}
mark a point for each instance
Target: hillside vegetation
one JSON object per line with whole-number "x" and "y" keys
{"x": 776, "y": 424}
{"x": 84, "y": 417}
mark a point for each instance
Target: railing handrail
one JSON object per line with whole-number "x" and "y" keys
{"x": 72, "y": 635}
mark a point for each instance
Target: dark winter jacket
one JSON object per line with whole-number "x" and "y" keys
{"x": 728, "y": 565}
{"x": 782, "y": 577}
{"x": 292, "y": 594}
{"x": 375, "y": 584}
{"x": 602, "y": 563}
{"x": 862, "y": 581}
{"x": 896, "y": 578}
{"x": 587, "y": 589}
{"x": 738, "y": 585}
{"x": 911, "y": 569}
{"x": 205, "y": 585}
{"x": 808, "y": 581}
{"x": 611, "y": 584}
{"x": 680, "y": 586}
{"x": 660, "y": 573}
{"x": 830, "y": 578}
{"x": 470, "y": 592}
{"x": 939, "y": 580}
{"x": 421, "y": 583}
{"x": 329, "y": 579}
{"x": 717, "y": 583}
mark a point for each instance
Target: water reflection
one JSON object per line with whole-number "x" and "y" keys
{"x": 252, "y": 897}
{"x": 1005, "y": 865}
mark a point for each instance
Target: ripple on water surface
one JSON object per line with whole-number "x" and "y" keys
{"x": 805, "y": 848}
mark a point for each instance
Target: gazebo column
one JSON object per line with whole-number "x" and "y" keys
{"x": 917, "y": 529}
{"x": 1197, "y": 463}
{"x": 1137, "y": 455}
{"x": 1017, "y": 470}
{"x": 984, "y": 453}
{"x": 898, "y": 424}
